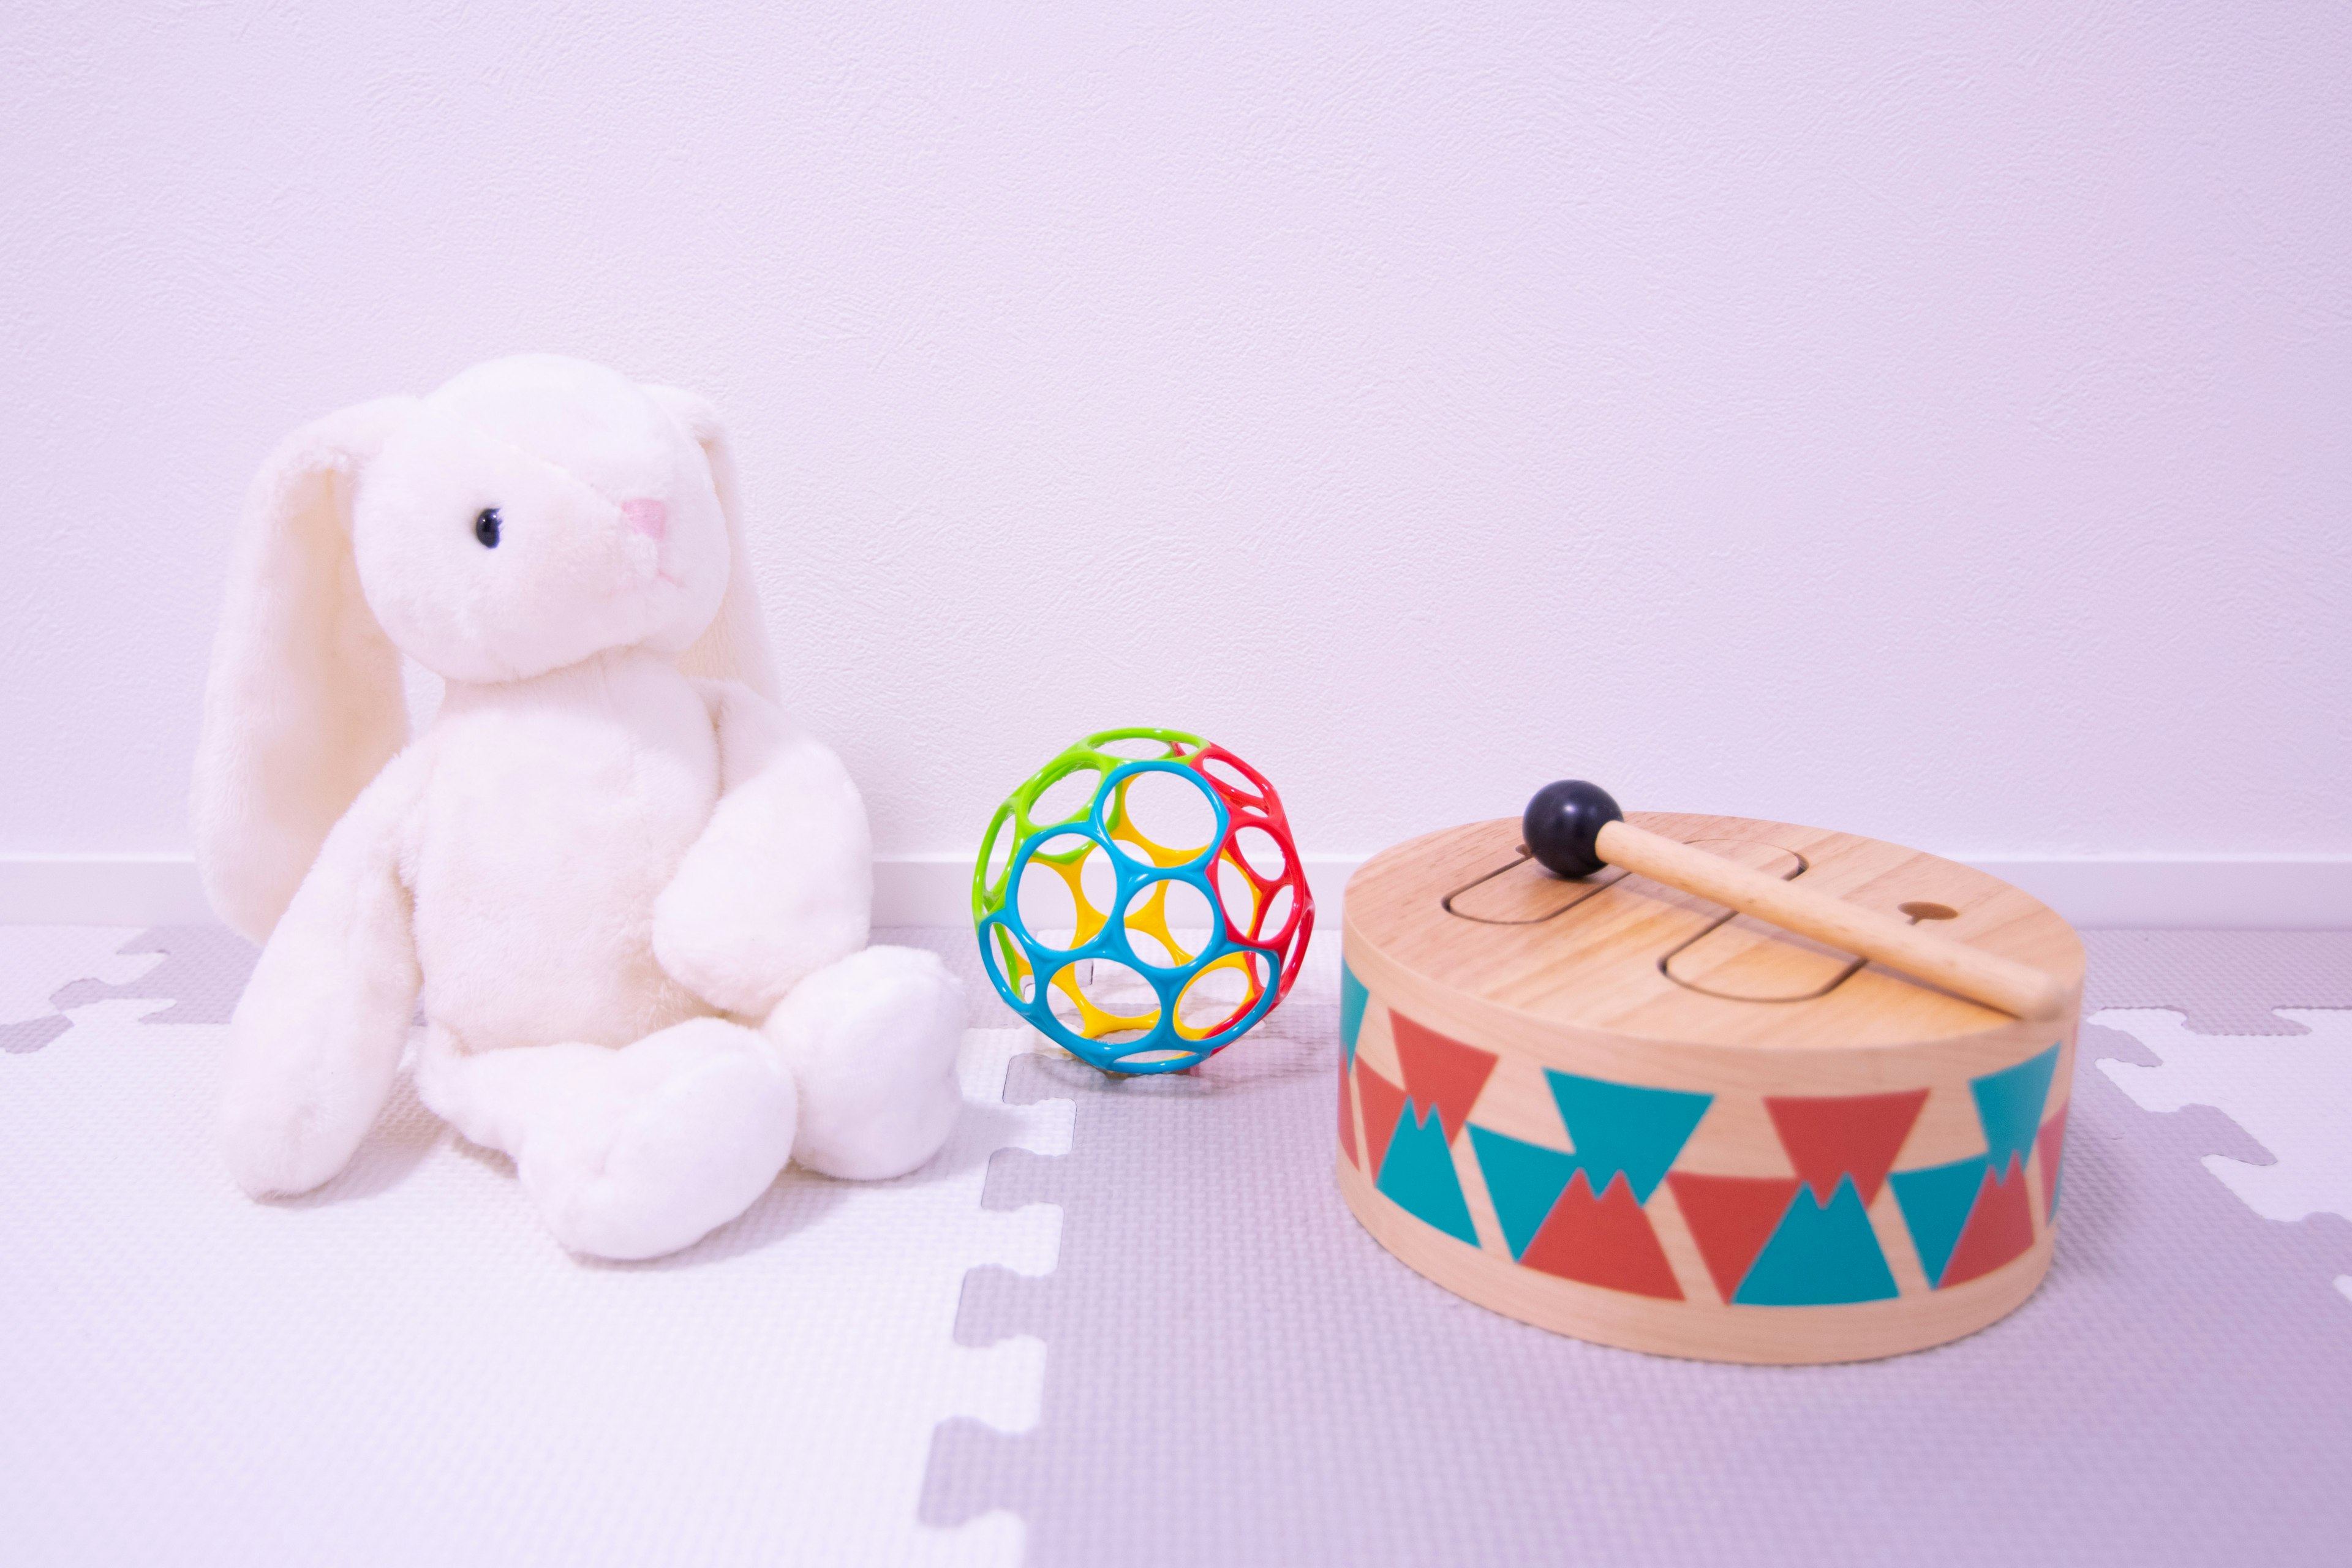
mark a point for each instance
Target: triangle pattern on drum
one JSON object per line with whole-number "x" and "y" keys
{"x": 1440, "y": 1071}
{"x": 1347, "y": 1115}
{"x": 1730, "y": 1218}
{"x": 1604, "y": 1241}
{"x": 1418, "y": 1175}
{"x": 1352, "y": 997}
{"x": 1936, "y": 1201}
{"x": 1383, "y": 1106}
{"x": 1621, "y": 1128}
{"x": 1820, "y": 1255}
{"x": 2052, "y": 1144}
{"x": 2009, "y": 1104}
{"x": 1524, "y": 1179}
{"x": 1855, "y": 1135}
{"x": 1999, "y": 1228}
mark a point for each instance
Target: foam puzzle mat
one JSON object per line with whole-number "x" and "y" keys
{"x": 1128, "y": 1321}
{"x": 404, "y": 1368}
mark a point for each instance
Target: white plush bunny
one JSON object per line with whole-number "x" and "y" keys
{"x": 631, "y": 899}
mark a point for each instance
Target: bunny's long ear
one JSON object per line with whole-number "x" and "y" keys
{"x": 734, "y": 646}
{"x": 303, "y": 705}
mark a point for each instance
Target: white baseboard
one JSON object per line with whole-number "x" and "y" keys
{"x": 2202, "y": 893}
{"x": 2215, "y": 893}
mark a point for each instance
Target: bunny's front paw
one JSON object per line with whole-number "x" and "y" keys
{"x": 739, "y": 932}
{"x": 665, "y": 1140}
{"x": 277, "y": 1148}
{"x": 873, "y": 1040}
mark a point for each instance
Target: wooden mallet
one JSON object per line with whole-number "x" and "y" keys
{"x": 1574, "y": 828}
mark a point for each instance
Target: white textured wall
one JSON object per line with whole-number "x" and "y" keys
{"x": 1929, "y": 425}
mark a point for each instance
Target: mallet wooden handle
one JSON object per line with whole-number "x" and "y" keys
{"x": 1986, "y": 977}
{"x": 1575, "y": 828}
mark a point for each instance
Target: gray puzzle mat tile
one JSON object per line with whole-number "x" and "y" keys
{"x": 1236, "y": 1373}
{"x": 203, "y": 972}
{"x": 2225, "y": 981}
{"x": 195, "y": 972}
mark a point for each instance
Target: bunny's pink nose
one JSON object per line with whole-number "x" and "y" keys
{"x": 649, "y": 518}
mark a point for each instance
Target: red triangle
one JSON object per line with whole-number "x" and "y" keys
{"x": 1439, "y": 1071}
{"x": 1855, "y": 1135}
{"x": 1383, "y": 1103}
{"x": 2050, "y": 1142}
{"x": 1602, "y": 1241}
{"x": 1732, "y": 1218}
{"x": 1347, "y": 1113}
{"x": 2000, "y": 1229}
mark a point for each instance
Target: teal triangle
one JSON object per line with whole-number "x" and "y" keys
{"x": 1418, "y": 1175}
{"x": 1524, "y": 1179}
{"x": 2009, "y": 1104}
{"x": 1620, "y": 1127}
{"x": 1936, "y": 1201}
{"x": 1352, "y": 997}
{"x": 1820, "y": 1255}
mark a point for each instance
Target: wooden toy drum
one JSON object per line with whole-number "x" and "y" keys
{"x": 1622, "y": 1113}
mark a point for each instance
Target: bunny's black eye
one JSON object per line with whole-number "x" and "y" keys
{"x": 485, "y": 528}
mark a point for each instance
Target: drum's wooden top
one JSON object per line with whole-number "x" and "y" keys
{"x": 1464, "y": 911}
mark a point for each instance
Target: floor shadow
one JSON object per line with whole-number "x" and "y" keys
{"x": 800, "y": 1198}
{"x": 1265, "y": 1060}
{"x": 983, "y": 1130}
{"x": 793, "y": 1202}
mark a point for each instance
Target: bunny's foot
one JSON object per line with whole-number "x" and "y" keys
{"x": 872, "y": 1041}
{"x": 632, "y": 1152}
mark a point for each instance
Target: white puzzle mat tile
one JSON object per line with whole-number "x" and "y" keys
{"x": 2291, "y": 1093}
{"x": 404, "y": 1368}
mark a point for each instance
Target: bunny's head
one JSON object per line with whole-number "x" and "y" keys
{"x": 530, "y": 514}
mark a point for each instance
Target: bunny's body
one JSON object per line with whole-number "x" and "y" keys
{"x": 631, "y": 902}
{"x": 581, "y": 790}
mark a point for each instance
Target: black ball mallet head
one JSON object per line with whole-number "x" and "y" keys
{"x": 1563, "y": 822}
